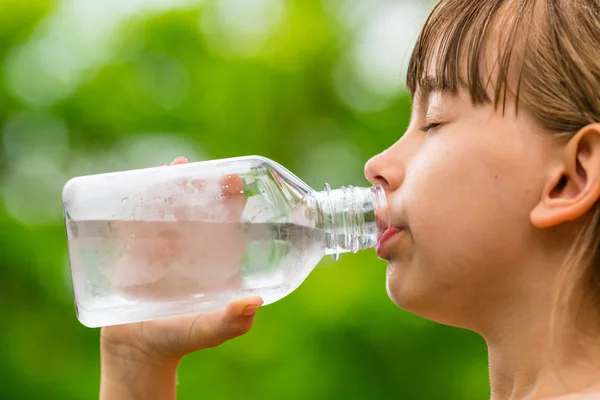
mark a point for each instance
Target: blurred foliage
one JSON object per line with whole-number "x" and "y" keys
{"x": 182, "y": 80}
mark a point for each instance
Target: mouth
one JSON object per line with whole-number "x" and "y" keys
{"x": 385, "y": 237}
{"x": 386, "y": 232}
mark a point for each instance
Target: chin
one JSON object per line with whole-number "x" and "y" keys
{"x": 401, "y": 291}
{"x": 415, "y": 297}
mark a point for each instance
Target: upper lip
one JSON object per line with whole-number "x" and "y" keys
{"x": 382, "y": 226}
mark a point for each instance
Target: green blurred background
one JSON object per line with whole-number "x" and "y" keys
{"x": 317, "y": 85}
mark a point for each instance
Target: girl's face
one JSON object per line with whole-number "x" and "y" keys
{"x": 462, "y": 192}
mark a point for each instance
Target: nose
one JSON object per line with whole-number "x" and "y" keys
{"x": 386, "y": 170}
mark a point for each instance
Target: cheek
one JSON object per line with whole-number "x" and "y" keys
{"x": 465, "y": 212}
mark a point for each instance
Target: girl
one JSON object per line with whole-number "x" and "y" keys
{"x": 493, "y": 191}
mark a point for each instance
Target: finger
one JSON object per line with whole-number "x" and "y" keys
{"x": 180, "y": 160}
{"x": 232, "y": 199}
{"x": 232, "y": 189}
{"x": 246, "y": 306}
{"x": 212, "y": 329}
{"x": 231, "y": 185}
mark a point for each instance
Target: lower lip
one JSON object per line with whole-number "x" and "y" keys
{"x": 387, "y": 235}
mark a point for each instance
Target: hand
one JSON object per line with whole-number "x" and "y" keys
{"x": 167, "y": 340}
{"x": 139, "y": 360}
{"x": 187, "y": 241}
{"x": 156, "y": 249}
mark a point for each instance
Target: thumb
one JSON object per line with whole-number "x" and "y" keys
{"x": 210, "y": 330}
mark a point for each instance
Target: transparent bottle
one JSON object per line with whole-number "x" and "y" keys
{"x": 166, "y": 241}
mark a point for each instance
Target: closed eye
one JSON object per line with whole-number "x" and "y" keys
{"x": 428, "y": 127}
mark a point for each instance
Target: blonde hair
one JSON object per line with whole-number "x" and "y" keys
{"x": 548, "y": 60}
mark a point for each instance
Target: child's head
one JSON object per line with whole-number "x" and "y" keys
{"x": 497, "y": 178}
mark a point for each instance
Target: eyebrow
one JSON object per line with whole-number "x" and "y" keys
{"x": 428, "y": 85}
{"x": 431, "y": 84}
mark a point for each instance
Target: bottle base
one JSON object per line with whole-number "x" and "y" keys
{"x": 119, "y": 310}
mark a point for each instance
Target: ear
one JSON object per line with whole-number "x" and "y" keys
{"x": 574, "y": 186}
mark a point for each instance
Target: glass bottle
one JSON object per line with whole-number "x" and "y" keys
{"x": 166, "y": 241}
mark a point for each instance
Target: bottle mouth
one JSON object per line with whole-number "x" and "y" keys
{"x": 383, "y": 219}
{"x": 358, "y": 217}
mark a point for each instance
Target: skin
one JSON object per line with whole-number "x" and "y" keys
{"x": 446, "y": 188}
{"x": 489, "y": 206}
{"x": 486, "y": 226}
{"x": 164, "y": 255}
{"x": 139, "y": 361}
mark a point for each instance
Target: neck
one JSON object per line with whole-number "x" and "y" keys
{"x": 544, "y": 351}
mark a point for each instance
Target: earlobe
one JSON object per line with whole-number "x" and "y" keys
{"x": 574, "y": 184}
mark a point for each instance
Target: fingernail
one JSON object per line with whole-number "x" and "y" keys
{"x": 250, "y": 310}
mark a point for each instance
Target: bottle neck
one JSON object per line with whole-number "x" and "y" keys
{"x": 350, "y": 217}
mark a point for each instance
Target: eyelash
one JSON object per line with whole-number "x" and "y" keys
{"x": 428, "y": 127}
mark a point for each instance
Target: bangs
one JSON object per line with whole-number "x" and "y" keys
{"x": 455, "y": 49}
